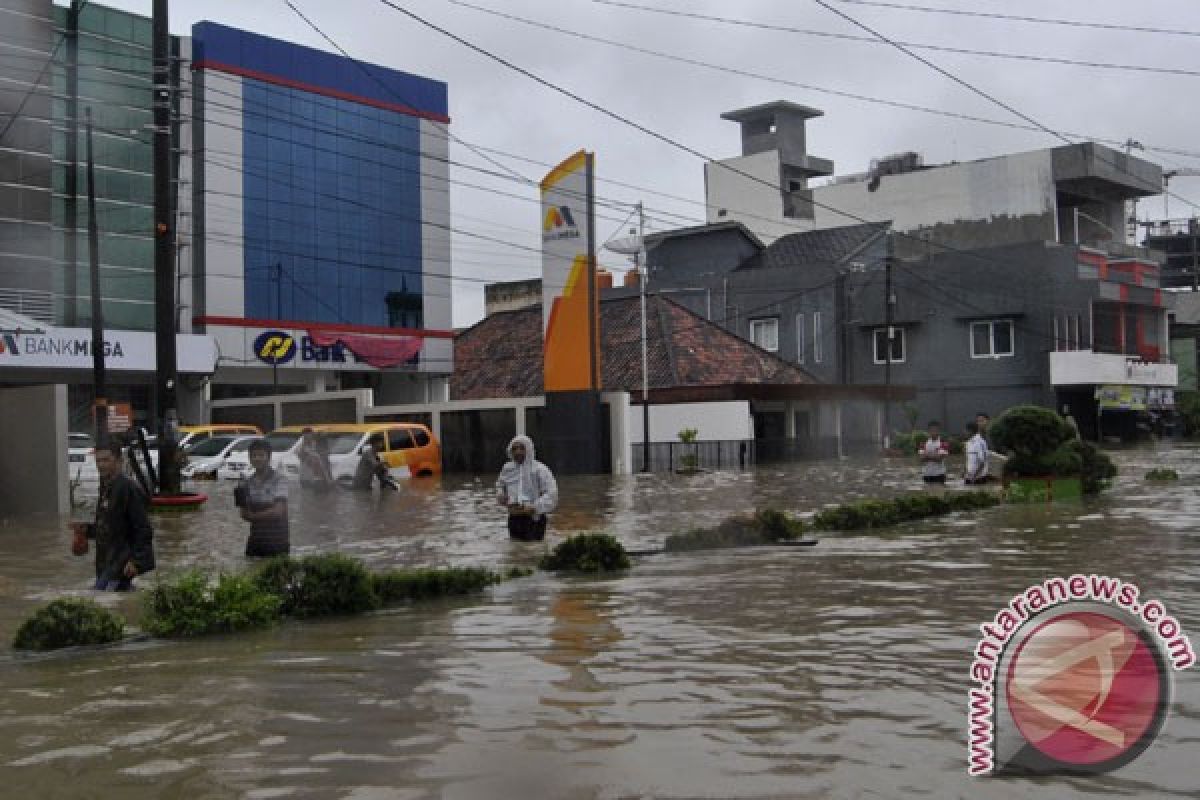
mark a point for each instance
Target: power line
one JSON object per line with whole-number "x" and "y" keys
{"x": 1074, "y": 23}
{"x": 848, "y": 37}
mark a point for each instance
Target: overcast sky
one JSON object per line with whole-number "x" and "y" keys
{"x": 494, "y": 107}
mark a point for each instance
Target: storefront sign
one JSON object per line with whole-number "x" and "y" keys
{"x": 1121, "y": 398}
{"x": 277, "y": 348}
{"x": 71, "y": 348}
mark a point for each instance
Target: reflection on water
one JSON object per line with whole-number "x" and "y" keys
{"x": 834, "y": 671}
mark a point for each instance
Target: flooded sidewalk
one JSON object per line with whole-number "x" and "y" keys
{"x": 834, "y": 671}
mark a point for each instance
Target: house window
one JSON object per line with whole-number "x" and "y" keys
{"x": 992, "y": 339}
{"x": 799, "y": 338}
{"x": 816, "y": 337}
{"x": 882, "y": 348}
{"x": 765, "y": 333}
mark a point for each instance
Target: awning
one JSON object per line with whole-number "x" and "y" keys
{"x": 378, "y": 351}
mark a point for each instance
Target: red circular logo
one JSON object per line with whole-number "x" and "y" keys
{"x": 1087, "y": 690}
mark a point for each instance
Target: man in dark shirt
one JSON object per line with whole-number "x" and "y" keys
{"x": 124, "y": 538}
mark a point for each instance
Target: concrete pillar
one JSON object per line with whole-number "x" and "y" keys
{"x": 519, "y": 420}
{"x": 34, "y": 475}
{"x": 837, "y": 417}
{"x": 618, "y": 417}
{"x": 789, "y": 419}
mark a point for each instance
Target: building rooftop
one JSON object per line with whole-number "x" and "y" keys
{"x": 501, "y": 356}
{"x": 751, "y": 113}
{"x": 826, "y": 246}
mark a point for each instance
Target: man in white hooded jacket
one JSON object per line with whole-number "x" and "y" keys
{"x": 526, "y": 487}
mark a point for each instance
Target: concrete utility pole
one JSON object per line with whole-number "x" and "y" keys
{"x": 100, "y": 403}
{"x": 71, "y": 170}
{"x": 164, "y": 258}
{"x": 889, "y": 302}
{"x": 644, "y": 273}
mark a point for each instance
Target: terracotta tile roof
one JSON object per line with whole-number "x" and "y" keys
{"x": 501, "y": 356}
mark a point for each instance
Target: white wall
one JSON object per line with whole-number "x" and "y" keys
{"x": 722, "y": 421}
{"x": 224, "y": 258}
{"x": 1013, "y": 185}
{"x": 33, "y": 461}
{"x": 747, "y": 189}
{"x": 436, "y": 354}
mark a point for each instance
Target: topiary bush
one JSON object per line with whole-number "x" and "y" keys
{"x": 1037, "y": 439}
{"x": 905, "y": 508}
{"x": 1162, "y": 474}
{"x": 1097, "y": 470}
{"x": 194, "y": 605}
{"x": 763, "y": 527}
{"x": 319, "y": 585}
{"x": 403, "y": 585}
{"x": 68, "y": 622}
{"x": 587, "y": 552}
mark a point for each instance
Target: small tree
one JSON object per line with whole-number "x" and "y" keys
{"x": 1041, "y": 443}
{"x": 689, "y": 459}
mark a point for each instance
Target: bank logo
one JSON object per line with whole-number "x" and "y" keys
{"x": 1087, "y": 691}
{"x": 8, "y": 344}
{"x": 275, "y": 347}
{"x": 559, "y": 223}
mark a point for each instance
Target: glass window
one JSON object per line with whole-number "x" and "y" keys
{"x": 765, "y": 333}
{"x": 992, "y": 339}
{"x": 421, "y": 436}
{"x": 816, "y": 337}
{"x": 799, "y": 338}
{"x": 881, "y": 345}
{"x": 399, "y": 439}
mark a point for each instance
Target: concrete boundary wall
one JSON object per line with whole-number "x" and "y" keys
{"x": 33, "y": 464}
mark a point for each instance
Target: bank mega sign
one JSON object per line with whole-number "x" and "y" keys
{"x": 71, "y": 348}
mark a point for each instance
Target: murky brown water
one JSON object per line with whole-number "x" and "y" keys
{"x": 834, "y": 671}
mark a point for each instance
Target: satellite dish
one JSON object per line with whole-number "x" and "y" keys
{"x": 626, "y": 245}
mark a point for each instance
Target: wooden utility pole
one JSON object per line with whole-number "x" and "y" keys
{"x": 164, "y": 257}
{"x": 889, "y": 302}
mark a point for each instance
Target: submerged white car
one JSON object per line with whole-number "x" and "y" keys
{"x": 237, "y": 463}
{"x": 206, "y": 456}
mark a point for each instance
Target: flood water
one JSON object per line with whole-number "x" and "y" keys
{"x": 834, "y": 671}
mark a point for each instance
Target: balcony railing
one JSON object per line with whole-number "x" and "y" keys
{"x": 1087, "y": 368}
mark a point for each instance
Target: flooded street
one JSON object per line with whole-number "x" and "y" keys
{"x": 834, "y": 671}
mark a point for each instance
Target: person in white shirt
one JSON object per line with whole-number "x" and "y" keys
{"x": 933, "y": 456}
{"x": 977, "y": 456}
{"x": 526, "y": 487}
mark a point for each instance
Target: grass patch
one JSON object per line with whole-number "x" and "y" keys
{"x": 587, "y": 552}
{"x": 406, "y": 585}
{"x": 1162, "y": 474}
{"x": 192, "y": 604}
{"x": 767, "y": 526}
{"x": 906, "y": 508}
{"x": 68, "y": 622}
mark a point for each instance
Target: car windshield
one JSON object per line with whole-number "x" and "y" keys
{"x": 241, "y": 446}
{"x": 342, "y": 443}
{"x": 282, "y": 442}
{"x": 210, "y": 447}
{"x": 79, "y": 440}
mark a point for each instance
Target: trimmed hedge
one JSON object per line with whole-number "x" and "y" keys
{"x": 761, "y": 528}
{"x": 319, "y": 585}
{"x": 587, "y": 552}
{"x": 905, "y": 508}
{"x": 405, "y": 585}
{"x": 68, "y": 622}
{"x": 1162, "y": 474}
{"x": 193, "y": 605}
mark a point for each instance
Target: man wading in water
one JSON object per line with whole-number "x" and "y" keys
{"x": 124, "y": 538}
{"x": 526, "y": 487}
{"x": 262, "y": 499}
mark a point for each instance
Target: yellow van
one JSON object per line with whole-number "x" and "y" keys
{"x": 409, "y": 449}
{"x": 191, "y": 434}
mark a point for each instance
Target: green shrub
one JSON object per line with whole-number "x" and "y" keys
{"x": 905, "y": 508}
{"x": 1162, "y": 474}
{"x": 1188, "y": 406}
{"x": 402, "y": 585}
{"x": 1036, "y": 440}
{"x": 747, "y": 530}
{"x": 68, "y": 622}
{"x": 319, "y": 585}
{"x": 587, "y": 552}
{"x": 194, "y": 605}
{"x": 1097, "y": 470}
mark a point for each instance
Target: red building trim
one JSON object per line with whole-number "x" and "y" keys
{"x": 266, "y": 77}
{"x": 242, "y": 322}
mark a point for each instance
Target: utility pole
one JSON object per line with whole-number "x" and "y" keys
{"x": 100, "y": 404}
{"x": 643, "y": 273}
{"x": 71, "y": 171}
{"x": 889, "y": 302}
{"x": 164, "y": 257}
